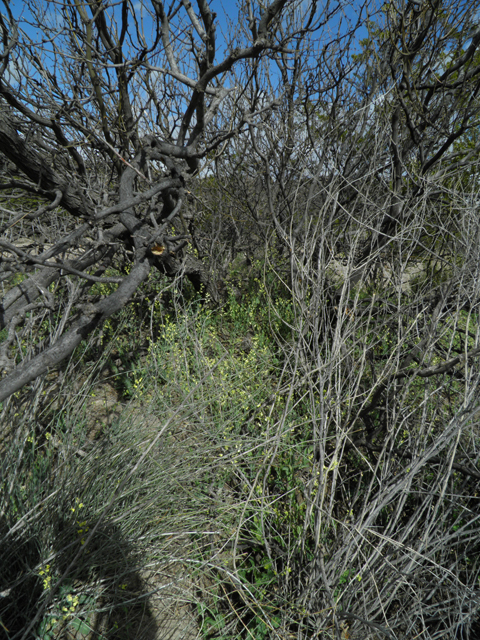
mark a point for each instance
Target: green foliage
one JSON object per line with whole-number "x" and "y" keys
{"x": 236, "y": 432}
{"x": 258, "y": 300}
{"x": 62, "y": 618}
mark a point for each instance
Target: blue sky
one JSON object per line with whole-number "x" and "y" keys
{"x": 226, "y": 10}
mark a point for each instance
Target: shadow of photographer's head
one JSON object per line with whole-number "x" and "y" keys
{"x": 101, "y": 594}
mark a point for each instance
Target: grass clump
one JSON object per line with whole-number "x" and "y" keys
{"x": 93, "y": 527}
{"x": 229, "y": 494}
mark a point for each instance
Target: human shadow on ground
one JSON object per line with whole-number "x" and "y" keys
{"x": 102, "y": 597}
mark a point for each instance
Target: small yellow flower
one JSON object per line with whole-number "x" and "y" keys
{"x": 78, "y": 505}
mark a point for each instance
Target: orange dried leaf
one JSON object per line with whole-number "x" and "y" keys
{"x": 157, "y": 249}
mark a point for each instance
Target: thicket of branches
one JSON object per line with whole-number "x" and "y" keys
{"x": 106, "y": 117}
{"x": 363, "y": 187}
{"x": 343, "y": 176}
